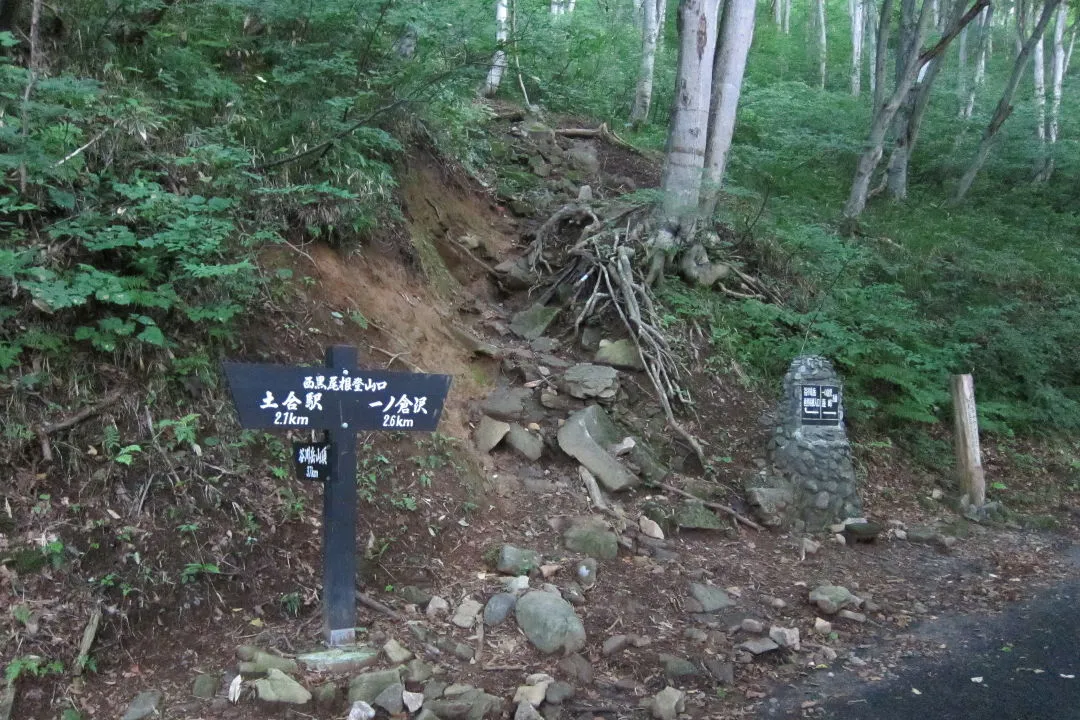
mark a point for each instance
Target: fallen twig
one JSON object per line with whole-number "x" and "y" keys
{"x": 373, "y": 604}
{"x": 714, "y": 506}
{"x": 44, "y": 431}
{"x": 592, "y": 487}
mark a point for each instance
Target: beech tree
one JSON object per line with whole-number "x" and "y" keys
{"x": 857, "y": 10}
{"x": 1004, "y": 107}
{"x": 910, "y": 63}
{"x": 819, "y": 39}
{"x": 498, "y": 62}
{"x": 986, "y": 31}
{"x": 651, "y": 14}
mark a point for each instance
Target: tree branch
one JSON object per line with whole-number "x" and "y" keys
{"x": 948, "y": 37}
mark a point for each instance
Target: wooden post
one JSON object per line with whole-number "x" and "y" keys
{"x": 968, "y": 456}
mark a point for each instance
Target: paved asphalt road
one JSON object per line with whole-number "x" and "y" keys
{"x": 1042, "y": 635}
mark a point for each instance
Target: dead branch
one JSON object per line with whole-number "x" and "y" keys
{"x": 592, "y": 488}
{"x": 373, "y": 604}
{"x": 44, "y": 431}
{"x": 88, "y": 639}
{"x": 714, "y": 506}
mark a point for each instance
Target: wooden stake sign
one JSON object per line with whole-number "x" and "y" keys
{"x": 342, "y": 400}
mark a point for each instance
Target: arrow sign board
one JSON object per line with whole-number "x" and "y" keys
{"x": 343, "y": 400}
{"x": 282, "y": 397}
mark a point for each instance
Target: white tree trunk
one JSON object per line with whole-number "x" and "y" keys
{"x": 961, "y": 70}
{"x": 778, "y": 13}
{"x": 688, "y": 129}
{"x": 787, "y": 17}
{"x": 870, "y": 33}
{"x": 935, "y": 10}
{"x": 986, "y": 31}
{"x": 570, "y": 5}
{"x": 732, "y": 46}
{"x": 502, "y": 34}
{"x": 1004, "y": 106}
{"x": 1057, "y": 74}
{"x": 822, "y": 53}
{"x": 857, "y": 8}
{"x": 1038, "y": 67}
{"x": 661, "y": 17}
{"x": 885, "y": 112}
{"x": 650, "y": 32}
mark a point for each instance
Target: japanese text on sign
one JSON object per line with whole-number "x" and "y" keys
{"x": 820, "y": 405}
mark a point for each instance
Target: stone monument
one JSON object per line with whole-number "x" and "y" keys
{"x": 810, "y": 474}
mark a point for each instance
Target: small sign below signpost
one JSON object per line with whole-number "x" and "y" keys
{"x": 312, "y": 460}
{"x": 343, "y": 400}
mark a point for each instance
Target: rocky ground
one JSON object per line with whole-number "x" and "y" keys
{"x": 590, "y": 567}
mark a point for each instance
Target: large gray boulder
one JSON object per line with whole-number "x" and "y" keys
{"x": 590, "y": 536}
{"x": 549, "y": 622}
{"x": 587, "y": 381}
{"x": 586, "y": 436}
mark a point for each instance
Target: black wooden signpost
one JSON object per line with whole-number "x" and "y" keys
{"x": 343, "y": 400}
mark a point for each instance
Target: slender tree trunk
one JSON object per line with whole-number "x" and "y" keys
{"x": 498, "y": 62}
{"x": 935, "y": 11}
{"x": 650, "y": 31}
{"x": 1057, "y": 81}
{"x": 857, "y": 8}
{"x": 1038, "y": 67}
{"x": 961, "y": 71}
{"x": 688, "y": 129}
{"x": 778, "y": 13}
{"x": 986, "y": 31}
{"x": 910, "y": 116}
{"x": 570, "y": 5}
{"x": 34, "y": 66}
{"x": 732, "y": 47}
{"x": 1004, "y": 106}
{"x": 881, "y": 54}
{"x": 870, "y": 33}
{"x": 821, "y": 38}
{"x": 1072, "y": 44}
{"x": 787, "y": 17}
{"x": 661, "y": 18}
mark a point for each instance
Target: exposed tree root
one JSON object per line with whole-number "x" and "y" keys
{"x": 588, "y": 262}
{"x": 604, "y": 133}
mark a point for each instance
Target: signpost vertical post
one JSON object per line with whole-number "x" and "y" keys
{"x": 339, "y": 520}
{"x": 342, "y": 400}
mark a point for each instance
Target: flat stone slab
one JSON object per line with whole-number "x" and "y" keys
{"x": 345, "y": 659}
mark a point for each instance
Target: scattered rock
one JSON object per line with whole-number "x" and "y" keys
{"x": 367, "y": 686}
{"x": 667, "y": 704}
{"x": 650, "y": 528}
{"x": 559, "y": 692}
{"x": 437, "y": 606}
{"x": 585, "y": 571}
{"x": 412, "y": 701}
{"x": 144, "y": 705}
{"x": 777, "y": 604}
{"x": 472, "y": 705}
{"x": 515, "y": 274}
{"x": 757, "y": 646}
{"x": 418, "y": 671}
{"x": 206, "y": 686}
{"x": 722, "y": 672}
{"x": 550, "y": 623}
{"x": 498, "y": 608}
{"x": 711, "y": 598}
{"x": 339, "y": 660}
{"x": 785, "y": 637}
{"x": 752, "y": 626}
{"x": 279, "y": 687}
{"x": 590, "y": 536}
{"x": 533, "y": 322}
{"x": 696, "y": 634}
{"x": 620, "y": 354}
{"x": 574, "y": 594}
{"x": 390, "y": 699}
{"x": 676, "y": 667}
{"x": 325, "y": 695}
{"x": 586, "y": 381}
{"x": 360, "y": 710}
{"x": 415, "y": 596}
{"x": 528, "y": 444}
{"x": 582, "y": 156}
{"x": 585, "y": 194}
{"x": 526, "y": 711}
{"x": 692, "y": 515}
{"x": 512, "y": 405}
{"x": 614, "y": 644}
{"x": 822, "y": 627}
{"x": 770, "y": 505}
{"x": 810, "y": 547}
{"x": 533, "y": 694}
{"x": 518, "y": 584}
{"x": 396, "y": 653}
{"x": 466, "y": 613}
{"x": 515, "y": 561}
{"x": 831, "y": 598}
{"x": 576, "y": 667}
{"x": 490, "y": 433}
{"x": 583, "y": 437}
{"x": 261, "y": 662}
{"x": 852, "y": 615}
